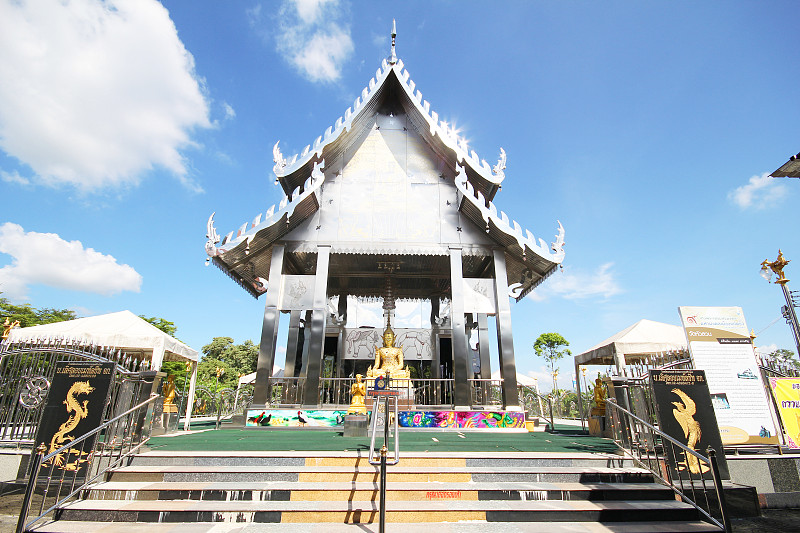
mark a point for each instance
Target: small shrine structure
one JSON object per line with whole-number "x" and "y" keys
{"x": 389, "y": 204}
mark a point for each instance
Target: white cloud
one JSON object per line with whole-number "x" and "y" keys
{"x": 47, "y": 259}
{"x": 229, "y": 111}
{"x": 14, "y": 177}
{"x": 766, "y": 350}
{"x": 573, "y": 285}
{"x": 313, "y": 39}
{"x": 759, "y": 193}
{"x": 95, "y": 93}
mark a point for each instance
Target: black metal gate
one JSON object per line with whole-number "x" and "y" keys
{"x": 26, "y": 372}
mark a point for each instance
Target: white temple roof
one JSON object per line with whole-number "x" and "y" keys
{"x": 245, "y": 254}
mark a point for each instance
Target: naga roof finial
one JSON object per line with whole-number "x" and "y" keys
{"x": 393, "y": 57}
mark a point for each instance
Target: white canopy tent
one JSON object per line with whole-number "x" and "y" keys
{"x": 125, "y": 331}
{"x": 638, "y": 342}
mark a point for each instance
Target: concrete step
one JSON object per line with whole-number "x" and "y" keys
{"x": 287, "y": 458}
{"x": 368, "y": 511}
{"x": 66, "y": 526}
{"x": 369, "y": 491}
{"x": 398, "y": 473}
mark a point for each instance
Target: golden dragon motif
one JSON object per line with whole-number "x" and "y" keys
{"x": 79, "y": 412}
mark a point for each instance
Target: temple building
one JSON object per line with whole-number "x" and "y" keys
{"x": 389, "y": 205}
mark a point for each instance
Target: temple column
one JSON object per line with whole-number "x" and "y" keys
{"x": 269, "y": 329}
{"x": 505, "y": 341}
{"x": 291, "y": 344}
{"x": 461, "y": 353}
{"x": 483, "y": 346}
{"x": 316, "y": 345}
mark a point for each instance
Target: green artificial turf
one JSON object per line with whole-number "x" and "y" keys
{"x": 566, "y": 439}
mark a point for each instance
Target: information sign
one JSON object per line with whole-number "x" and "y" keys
{"x": 684, "y": 412}
{"x": 720, "y": 344}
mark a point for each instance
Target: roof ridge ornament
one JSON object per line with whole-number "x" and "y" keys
{"x": 393, "y": 56}
{"x": 280, "y": 161}
{"x": 501, "y": 165}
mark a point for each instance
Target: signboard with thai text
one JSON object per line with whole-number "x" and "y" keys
{"x": 787, "y": 397}
{"x": 720, "y": 344}
{"x": 684, "y": 412}
{"x": 75, "y": 406}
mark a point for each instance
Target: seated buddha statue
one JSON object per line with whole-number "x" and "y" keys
{"x": 389, "y": 359}
{"x": 599, "y": 397}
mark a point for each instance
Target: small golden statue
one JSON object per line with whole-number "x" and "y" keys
{"x": 599, "y": 408}
{"x": 777, "y": 267}
{"x": 169, "y": 395}
{"x": 358, "y": 391}
{"x": 8, "y": 326}
{"x": 389, "y": 358}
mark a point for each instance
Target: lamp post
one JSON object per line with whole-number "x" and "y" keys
{"x": 776, "y": 267}
{"x": 188, "y": 367}
{"x": 219, "y": 372}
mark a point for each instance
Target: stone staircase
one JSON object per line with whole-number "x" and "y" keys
{"x": 257, "y": 491}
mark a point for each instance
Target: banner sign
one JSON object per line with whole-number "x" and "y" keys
{"x": 75, "y": 406}
{"x": 685, "y": 413}
{"x": 787, "y": 396}
{"x": 720, "y": 344}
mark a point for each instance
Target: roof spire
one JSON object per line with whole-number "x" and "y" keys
{"x": 393, "y": 57}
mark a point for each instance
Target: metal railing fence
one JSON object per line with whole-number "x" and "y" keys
{"x": 486, "y": 392}
{"x": 113, "y": 442}
{"x": 26, "y": 373}
{"x": 659, "y": 453}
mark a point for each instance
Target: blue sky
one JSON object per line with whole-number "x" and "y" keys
{"x": 646, "y": 128}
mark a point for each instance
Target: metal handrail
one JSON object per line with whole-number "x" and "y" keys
{"x": 528, "y": 390}
{"x": 376, "y": 400}
{"x": 656, "y": 463}
{"x": 39, "y": 459}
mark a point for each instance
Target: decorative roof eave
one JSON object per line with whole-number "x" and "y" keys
{"x": 251, "y": 290}
{"x": 492, "y": 176}
{"x": 509, "y": 233}
{"x": 230, "y": 252}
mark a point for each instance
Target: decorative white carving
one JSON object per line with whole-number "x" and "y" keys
{"x": 448, "y": 135}
{"x": 500, "y": 167}
{"x": 360, "y": 343}
{"x": 211, "y": 235}
{"x": 479, "y": 296}
{"x": 554, "y": 253}
{"x": 277, "y": 157}
{"x": 515, "y": 290}
{"x": 286, "y": 207}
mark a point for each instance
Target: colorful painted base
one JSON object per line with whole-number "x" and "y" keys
{"x": 408, "y": 419}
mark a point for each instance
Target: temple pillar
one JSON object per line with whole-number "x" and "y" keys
{"x": 316, "y": 345}
{"x": 269, "y": 329}
{"x": 462, "y": 367}
{"x": 292, "y": 344}
{"x": 505, "y": 341}
{"x": 483, "y": 346}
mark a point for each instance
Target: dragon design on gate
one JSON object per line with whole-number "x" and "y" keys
{"x": 79, "y": 412}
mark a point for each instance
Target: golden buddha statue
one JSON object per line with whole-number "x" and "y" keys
{"x": 599, "y": 408}
{"x": 389, "y": 358}
{"x": 357, "y": 391}
{"x": 169, "y": 393}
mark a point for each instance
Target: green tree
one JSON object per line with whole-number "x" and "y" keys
{"x": 235, "y": 359}
{"x": 164, "y": 325}
{"x": 548, "y": 346}
{"x": 786, "y": 357}
{"x": 30, "y": 316}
